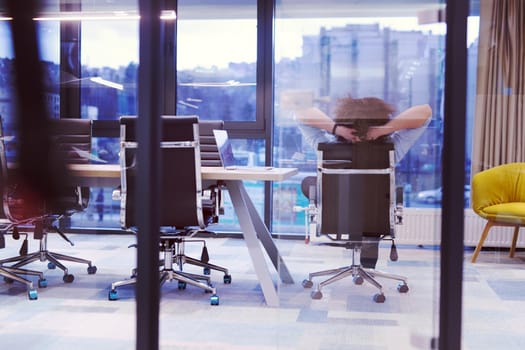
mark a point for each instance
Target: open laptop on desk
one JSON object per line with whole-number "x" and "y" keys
{"x": 226, "y": 153}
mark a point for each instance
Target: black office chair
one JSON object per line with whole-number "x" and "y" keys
{"x": 71, "y": 142}
{"x": 6, "y": 227}
{"x": 208, "y": 146}
{"x": 210, "y": 158}
{"x": 183, "y": 211}
{"x": 15, "y": 274}
{"x": 356, "y": 207}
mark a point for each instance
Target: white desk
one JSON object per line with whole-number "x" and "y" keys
{"x": 252, "y": 226}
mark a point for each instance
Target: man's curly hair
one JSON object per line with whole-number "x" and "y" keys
{"x": 360, "y": 113}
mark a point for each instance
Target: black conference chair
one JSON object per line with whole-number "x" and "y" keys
{"x": 210, "y": 158}
{"x": 71, "y": 142}
{"x": 7, "y": 227}
{"x": 183, "y": 212}
{"x": 15, "y": 274}
{"x": 356, "y": 207}
{"x": 208, "y": 146}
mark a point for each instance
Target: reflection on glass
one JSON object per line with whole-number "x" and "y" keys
{"x": 109, "y": 58}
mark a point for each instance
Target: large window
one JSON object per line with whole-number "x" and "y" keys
{"x": 319, "y": 60}
{"x": 320, "y": 54}
{"x": 217, "y": 60}
{"x": 217, "y": 79}
{"x": 48, "y": 40}
{"x": 6, "y": 67}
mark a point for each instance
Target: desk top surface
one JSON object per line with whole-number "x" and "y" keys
{"x": 208, "y": 173}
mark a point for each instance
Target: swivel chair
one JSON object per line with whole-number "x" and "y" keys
{"x": 183, "y": 213}
{"x": 11, "y": 274}
{"x": 498, "y": 195}
{"x": 71, "y": 141}
{"x": 356, "y": 206}
{"x": 208, "y": 146}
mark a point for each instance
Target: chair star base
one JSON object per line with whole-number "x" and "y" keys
{"x": 359, "y": 274}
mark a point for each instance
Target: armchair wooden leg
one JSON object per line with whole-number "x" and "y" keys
{"x": 514, "y": 241}
{"x": 481, "y": 240}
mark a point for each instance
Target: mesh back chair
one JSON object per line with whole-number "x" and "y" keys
{"x": 11, "y": 274}
{"x": 71, "y": 141}
{"x": 183, "y": 212}
{"x": 356, "y": 208}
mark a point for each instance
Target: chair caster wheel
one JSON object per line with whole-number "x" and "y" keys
{"x": 182, "y": 285}
{"x": 402, "y": 288}
{"x": 206, "y": 271}
{"x": 112, "y": 295}
{"x": 51, "y": 266}
{"x": 227, "y": 279}
{"x": 68, "y": 278}
{"x": 358, "y": 280}
{"x": 316, "y": 294}
{"x": 307, "y": 284}
{"x": 42, "y": 283}
{"x": 32, "y": 294}
{"x": 92, "y": 270}
{"x": 214, "y": 299}
{"x": 379, "y": 298}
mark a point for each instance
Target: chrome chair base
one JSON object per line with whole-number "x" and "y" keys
{"x": 167, "y": 273}
{"x": 13, "y": 274}
{"x": 359, "y": 274}
{"x": 52, "y": 258}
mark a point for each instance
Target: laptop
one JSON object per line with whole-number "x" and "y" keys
{"x": 226, "y": 153}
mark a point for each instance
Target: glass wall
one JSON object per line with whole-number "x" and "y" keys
{"x": 323, "y": 51}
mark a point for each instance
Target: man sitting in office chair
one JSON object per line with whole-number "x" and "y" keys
{"x": 365, "y": 119}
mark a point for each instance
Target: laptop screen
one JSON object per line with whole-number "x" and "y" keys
{"x": 225, "y": 148}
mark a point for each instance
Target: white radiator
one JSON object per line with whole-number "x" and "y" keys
{"x": 423, "y": 226}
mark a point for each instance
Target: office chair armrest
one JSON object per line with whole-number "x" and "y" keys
{"x": 116, "y": 194}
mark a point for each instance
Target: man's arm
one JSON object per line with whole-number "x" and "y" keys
{"x": 411, "y": 118}
{"x": 316, "y": 118}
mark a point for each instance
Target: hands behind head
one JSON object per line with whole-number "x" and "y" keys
{"x": 350, "y": 134}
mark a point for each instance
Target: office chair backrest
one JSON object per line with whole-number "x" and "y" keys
{"x": 18, "y": 202}
{"x": 180, "y": 178}
{"x": 71, "y": 139}
{"x": 354, "y": 201}
{"x": 71, "y": 142}
{"x": 209, "y": 152}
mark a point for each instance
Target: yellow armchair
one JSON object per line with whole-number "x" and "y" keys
{"x": 498, "y": 195}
